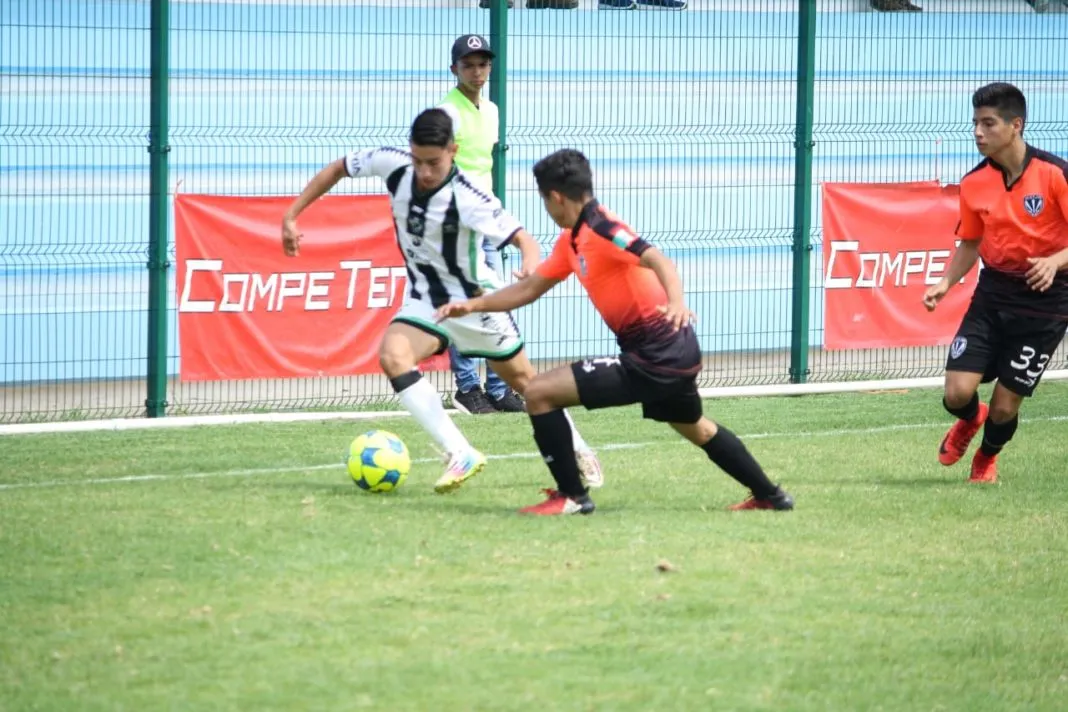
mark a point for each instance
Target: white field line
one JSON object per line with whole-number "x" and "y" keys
{"x": 251, "y": 472}
{"x": 185, "y": 421}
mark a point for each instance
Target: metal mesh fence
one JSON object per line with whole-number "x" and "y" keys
{"x": 893, "y": 104}
{"x": 265, "y": 95}
{"x": 688, "y": 120}
{"x": 73, "y": 208}
{"x": 688, "y": 117}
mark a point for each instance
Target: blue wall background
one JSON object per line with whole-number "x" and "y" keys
{"x": 688, "y": 119}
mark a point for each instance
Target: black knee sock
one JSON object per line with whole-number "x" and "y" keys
{"x": 552, "y": 433}
{"x": 731, "y": 455}
{"x": 968, "y": 411}
{"x": 996, "y": 435}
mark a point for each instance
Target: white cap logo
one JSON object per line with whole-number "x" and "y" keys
{"x": 474, "y": 43}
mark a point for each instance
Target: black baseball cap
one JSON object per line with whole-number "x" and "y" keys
{"x": 470, "y": 44}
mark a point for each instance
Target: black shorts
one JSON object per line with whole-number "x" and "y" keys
{"x": 1012, "y": 348}
{"x": 611, "y": 382}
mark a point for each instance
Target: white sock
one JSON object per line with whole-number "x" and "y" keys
{"x": 423, "y": 402}
{"x": 580, "y": 443}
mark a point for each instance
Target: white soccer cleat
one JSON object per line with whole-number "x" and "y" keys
{"x": 462, "y": 467}
{"x": 590, "y": 469}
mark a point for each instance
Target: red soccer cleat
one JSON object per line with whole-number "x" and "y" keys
{"x": 781, "y": 501}
{"x": 559, "y": 503}
{"x": 984, "y": 469}
{"x": 956, "y": 441}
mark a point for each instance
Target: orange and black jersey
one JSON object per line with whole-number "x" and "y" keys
{"x": 1027, "y": 218}
{"x": 605, "y": 254}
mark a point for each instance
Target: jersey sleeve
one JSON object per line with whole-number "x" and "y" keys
{"x": 484, "y": 214}
{"x": 621, "y": 244}
{"x": 379, "y": 162}
{"x": 493, "y": 122}
{"x": 970, "y": 224}
{"x": 557, "y": 266}
{"x": 1060, "y": 192}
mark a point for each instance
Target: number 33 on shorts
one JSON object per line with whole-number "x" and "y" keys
{"x": 1031, "y": 366}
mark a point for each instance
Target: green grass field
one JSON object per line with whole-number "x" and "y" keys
{"x": 239, "y": 568}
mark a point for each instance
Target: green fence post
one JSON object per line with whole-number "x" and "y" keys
{"x": 802, "y": 242}
{"x": 499, "y": 90}
{"x": 158, "y": 265}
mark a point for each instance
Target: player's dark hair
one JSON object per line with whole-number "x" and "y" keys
{"x": 1004, "y": 98}
{"x": 567, "y": 172}
{"x": 432, "y": 127}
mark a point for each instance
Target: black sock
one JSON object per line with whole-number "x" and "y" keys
{"x": 996, "y": 435}
{"x": 968, "y": 411}
{"x": 552, "y": 433}
{"x": 731, "y": 455}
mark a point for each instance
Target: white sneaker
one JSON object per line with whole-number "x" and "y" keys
{"x": 462, "y": 467}
{"x": 590, "y": 469}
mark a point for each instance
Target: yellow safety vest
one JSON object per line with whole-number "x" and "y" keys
{"x": 475, "y": 136}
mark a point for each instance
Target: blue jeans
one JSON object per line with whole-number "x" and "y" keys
{"x": 463, "y": 368}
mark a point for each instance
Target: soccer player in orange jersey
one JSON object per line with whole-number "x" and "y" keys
{"x": 1013, "y": 215}
{"x": 638, "y": 292}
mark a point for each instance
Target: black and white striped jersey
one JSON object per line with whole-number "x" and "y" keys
{"x": 440, "y": 232}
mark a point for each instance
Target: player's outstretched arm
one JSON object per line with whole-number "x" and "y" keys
{"x": 511, "y": 297}
{"x": 675, "y": 310}
{"x": 965, "y": 257}
{"x": 317, "y": 187}
{"x": 529, "y": 252}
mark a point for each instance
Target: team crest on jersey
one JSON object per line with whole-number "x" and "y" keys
{"x": 959, "y": 345}
{"x": 1033, "y": 204}
{"x": 582, "y": 265}
{"x": 416, "y": 225}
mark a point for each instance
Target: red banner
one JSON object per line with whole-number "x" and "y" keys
{"x": 883, "y": 245}
{"x": 247, "y": 311}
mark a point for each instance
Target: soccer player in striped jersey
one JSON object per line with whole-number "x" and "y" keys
{"x": 442, "y": 219}
{"x": 637, "y": 291}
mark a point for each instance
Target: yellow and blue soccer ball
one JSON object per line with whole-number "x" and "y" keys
{"x": 378, "y": 461}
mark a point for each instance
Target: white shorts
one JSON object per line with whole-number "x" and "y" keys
{"x": 484, "y": 335}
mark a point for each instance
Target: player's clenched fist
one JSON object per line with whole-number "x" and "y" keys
{"x": 934, "y": 295}
{"x": 290, "y": 237}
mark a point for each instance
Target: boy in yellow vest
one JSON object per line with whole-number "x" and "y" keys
{"x": 475, "y": 125}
